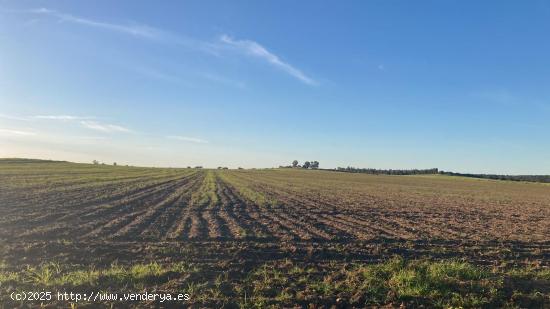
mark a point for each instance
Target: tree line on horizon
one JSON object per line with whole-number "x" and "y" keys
{"x": 529, "y": 178}
{"x": 306, "y": 165}
{"x": 434, "y": 171}
{"x": 374, "y": 171}
{"x": 349, "y": 169}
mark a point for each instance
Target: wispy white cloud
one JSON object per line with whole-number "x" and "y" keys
{"x": 86, "y": 122}
{"x": 214, "y": 48}
{"x": 11, "y": 117}
{"x": 102, "y": 127}
{"x": 187, "y": 139}
{"x": 46, "y": 117}
{"x": 137, "y": 30}
{"x": 133, "y": 29}
{"x": 61, "y": 117}
{"x": 253, "y": 48}
{"x": 12, "y": 132}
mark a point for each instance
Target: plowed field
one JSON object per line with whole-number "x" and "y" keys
{"x": 257, "y": 238}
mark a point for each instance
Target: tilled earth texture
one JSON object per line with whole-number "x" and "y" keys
{"x": 279, "y": 238}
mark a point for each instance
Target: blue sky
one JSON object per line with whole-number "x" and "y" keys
{"x": 458, "y": 85}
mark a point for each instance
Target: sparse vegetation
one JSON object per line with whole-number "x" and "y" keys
{"x": 245, "y": 190}
{"x": 206, "y": 194}
{"x": 276, "y": 237}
